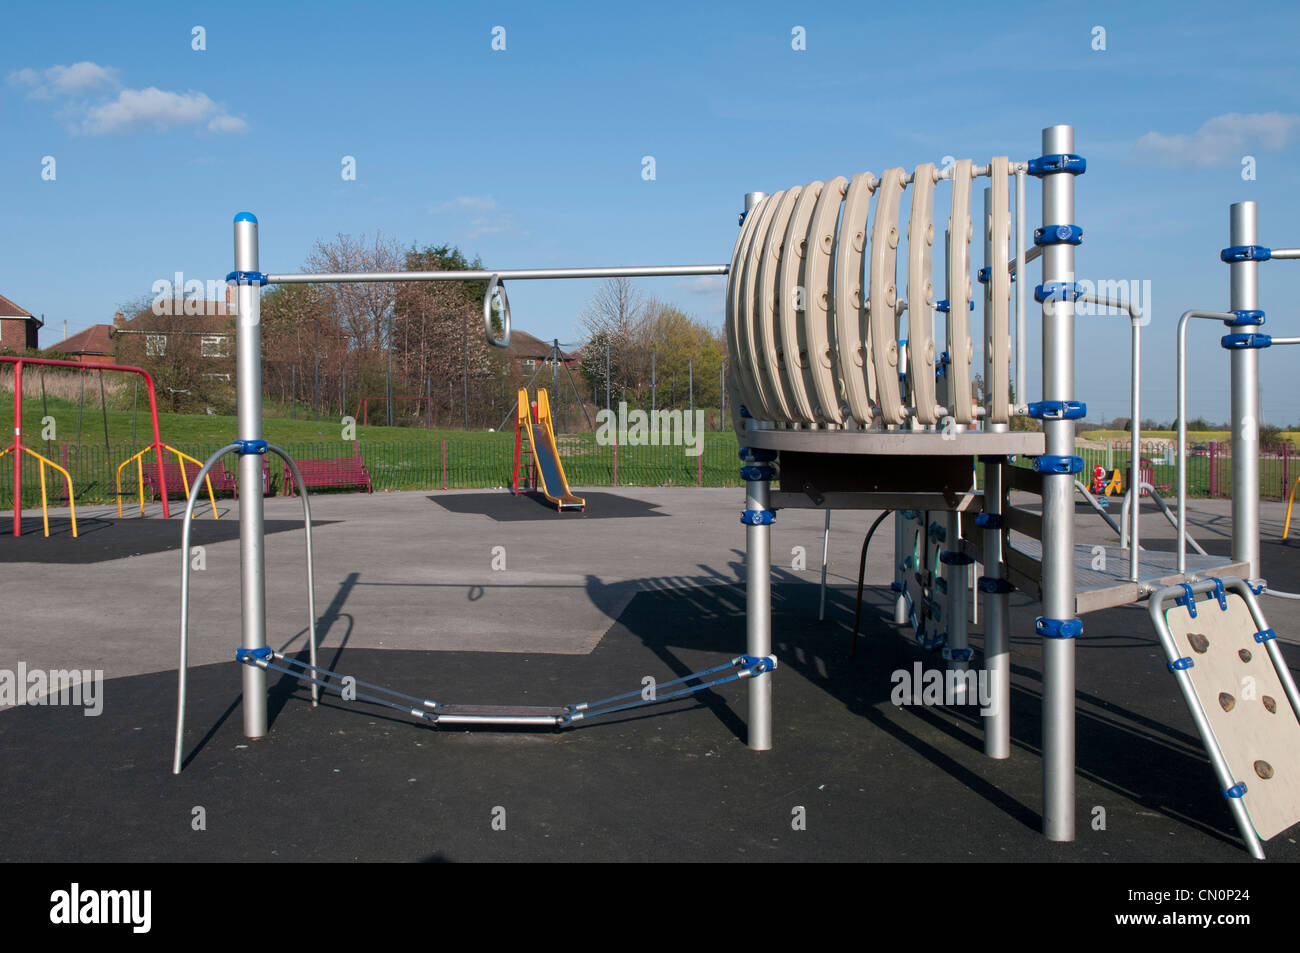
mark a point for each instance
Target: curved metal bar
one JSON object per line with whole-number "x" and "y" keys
{"x": 311, "y": 584}
{"x": 183, "y": 672}
{"x": 495, "y": 286}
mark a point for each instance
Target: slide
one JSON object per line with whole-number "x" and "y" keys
{"x": 541, "y": 438}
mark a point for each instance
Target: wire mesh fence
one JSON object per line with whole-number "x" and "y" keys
{"x": 481, "y": 460}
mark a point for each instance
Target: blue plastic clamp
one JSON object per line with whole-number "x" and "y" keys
{"x": 1057, "y": 291}
{"x": 756, "y": 455}
{"x": 1058, "y": 235}
{"x": 991, "y": 584}
{"x": 247, "y": 277}
{"x": 941, "y": 584}
{"x": 1053, "y": 463}
{"x": 1256, "y": 590}
{"x": 741, "y": 220}
{"x": 757, "y": 663}
{"x": 1237, "y": 790}
{"x": 757, "y": 473}
{"x": 1058, "y": 410}
{"x": 757, "y": 517}
{"x": 942, "y": 305}
{"x": 1058, "y": 628}
{"x": 1057, "y": 162}
{"x": 910, "y": 514}
{"x": 938, "y": 533}
{"x": 1232, "y": 342}
{"x": 989, "y": 521}
{"x": 950, "y": 557}
{"x": 1188, "y": 598}
{"x": 983, "y": 276}
{"x": 1178, "y": 665}
{"x": 250, "y": 446}
{"x": 252, "y": 656}
{"x": 958, "y": 655}
{"x": 1254, "y": 317}
{"x": 896, "y": 586}
{"x": 745, "y": 414}
{"x": 1245, "y": 253}
{"x": 1265, "y": 635}
{"x": 1220, "y": 594}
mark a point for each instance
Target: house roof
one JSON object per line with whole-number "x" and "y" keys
{"x": 215, "y": 318}
{"x": 10, "y": 310}
{"x": 93, "y": 340}
{"x": 525, "y": 345}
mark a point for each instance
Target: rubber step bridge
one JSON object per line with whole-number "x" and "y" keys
{"x": 438, "y": 713}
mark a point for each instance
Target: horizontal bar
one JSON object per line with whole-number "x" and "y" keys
{"x": 1030, "y": 255}
{"x": 1286, "y": 340}
{"x": 495, "y": 719}
{"x": 505, "y": 274}
{"x": 1285, "y": 253}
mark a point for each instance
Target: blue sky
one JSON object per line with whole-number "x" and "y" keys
{"x": 532, "y": 156}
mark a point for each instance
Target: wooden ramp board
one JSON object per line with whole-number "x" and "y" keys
{"x": 1246, "y": 706}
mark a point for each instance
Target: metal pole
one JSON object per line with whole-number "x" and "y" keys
{"x": 1182, "y": 425}
{"x": 826, "y": 548}
{"x": 464, "y": 350}
{"x": 690, "y": 386}
{"x": 758, "y": 613}
{"x": 1058, "y": 505}
{"x": 252, "y": 556}
{"x": 653, "y": 382}
{"x": 1243, "y": 295}
{"x": 315, "y": 387}
{"x": 607, "y": 377}
{"x": 1022, "y": 347}
{"x": 505, "y": 274}
{"x": 18, "y": 454}
{"x": 997, "y": 622}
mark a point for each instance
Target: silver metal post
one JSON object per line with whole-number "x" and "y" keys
{"x": 1058, "y": 506}
{"x": 758, "y": 614}
{"x": 997, "y": 625}
{"x": 826, "y": 548}
{"x": 1182, "y": 424}
{"x": 505, "y": 274}
{"x": 1243, "y": 295}
{"x": 900, "y": 579}
{"x": 958, "y": 609}
{"x": 252, "y": 556}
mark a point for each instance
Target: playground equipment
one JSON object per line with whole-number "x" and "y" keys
{"x": 534, "y": 423}
{"x": 18, "y": 447}
{"x": 829, "y": 393}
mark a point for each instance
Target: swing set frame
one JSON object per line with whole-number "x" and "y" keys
{"x": 18, "y": 448}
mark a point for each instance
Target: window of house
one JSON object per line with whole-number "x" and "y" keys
{"x": 155, "y": 345}
{"x": 214, "y": 345}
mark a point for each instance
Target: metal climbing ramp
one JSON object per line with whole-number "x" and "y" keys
{"x": 1242, "y": 697}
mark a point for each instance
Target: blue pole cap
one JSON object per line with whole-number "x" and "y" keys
{"x": 246, "y": 217}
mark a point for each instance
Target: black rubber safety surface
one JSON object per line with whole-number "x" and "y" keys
{"x": 504, "y": 507}
{"x": 100, "y": 539}
{"x": 871, "y": 780}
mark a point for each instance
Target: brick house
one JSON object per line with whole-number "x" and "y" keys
{"x": 93, "y": 345}
{"x": 526, "y": 353}
{"x": 187, "y": 330}
{"x": 18, "y": 328}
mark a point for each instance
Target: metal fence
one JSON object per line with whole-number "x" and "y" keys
{"x": 477, "y": 460}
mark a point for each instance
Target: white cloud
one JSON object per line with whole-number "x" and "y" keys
{"x": 466, "y": 203}
{"x": 1223, "y": 140}
{"x": 132, "y": 110}
{"x": 157, "y": 110}
{"x": 82, "y": 77}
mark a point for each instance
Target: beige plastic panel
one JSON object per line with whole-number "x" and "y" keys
{"x": 920, "y": 295}
{"x": 959, "y": 292}
{"x": 740, "y": 369}
{"x": 997, "y": 336}
{"x": 757, "y": 402}
{"x": 789, "y": 319}
{"x": 771, "y": 350}
{"x": 1248, "y": 711}
{"x": 882, "y": 295}
{"x": 819, "y": 314}
{"x": 857, "y": 375}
